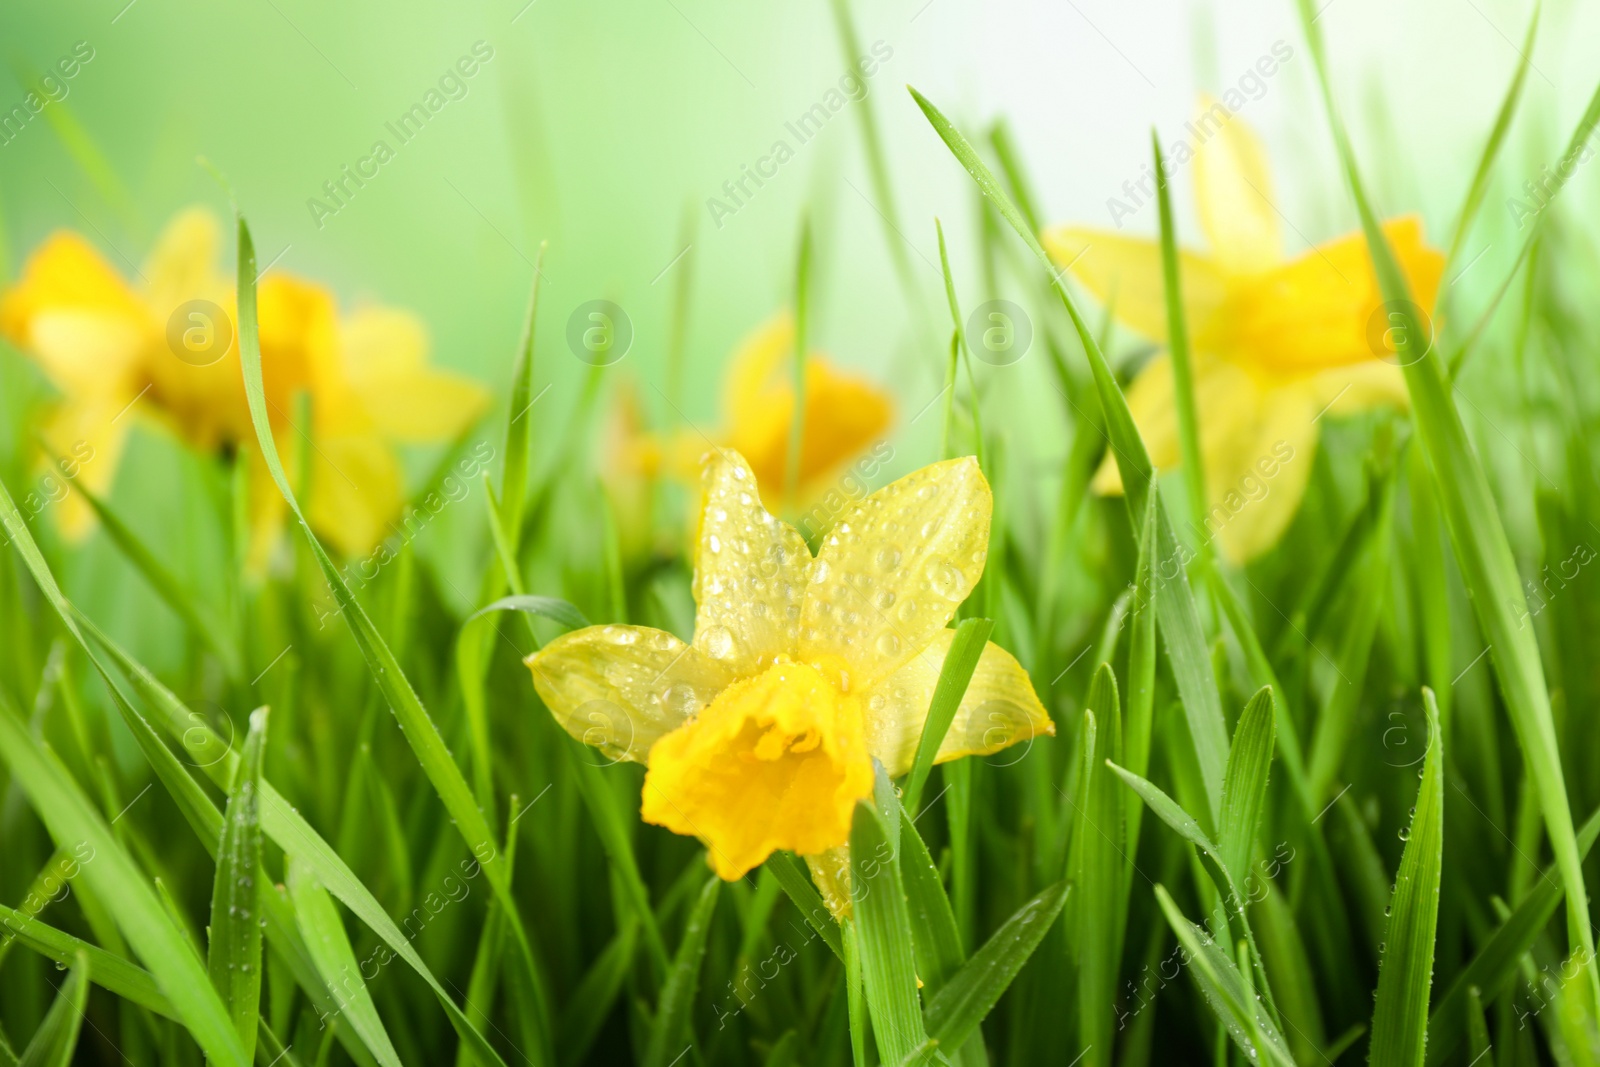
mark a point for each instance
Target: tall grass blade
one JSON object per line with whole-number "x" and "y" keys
{"x": 677, "y": 996}
{"x": 966, "y": 1000}
{"x": 881, "y": 921}
{"x": 1488, "y": 568}
{"x": 966, "y": 647}
{"x": 1400, "y": 1022}
{"x": 336, "y": 961}
{"x": 110, "y": 972}
{"x": 1244, "y": 796}
{"x": 1175, "y": 606}
{"x": 1194, "y": 473}
{"x": 1097, "y": 869}
{"x": 57, "y": 1037}
{"x": 234, "y": 954}
{"x": 420, "y": 732}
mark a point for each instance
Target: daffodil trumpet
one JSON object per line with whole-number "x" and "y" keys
{"x": 760, "y": 734}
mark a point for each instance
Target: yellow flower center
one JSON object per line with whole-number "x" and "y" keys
{"x": 775, "y": 761}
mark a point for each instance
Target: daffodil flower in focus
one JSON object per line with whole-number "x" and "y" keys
{"x": 845, "y": 415}
{"x": 760, "y": 734}
{"x": 1277, "y": 343}
{"x": 169, "y": 344}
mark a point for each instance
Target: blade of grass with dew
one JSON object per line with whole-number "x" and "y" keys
{"x": 802, "y": 317}
{"x": 1096, "y": 870}
{"x": 71, "y": 817}
{"x": 161, "y": 945}
{"x": 1244, "y": 795}
{"x": 1488, "y": 568}
{"x": 1175, "y": 606}
{"x": 336, "y": 961}
{"x": 1491, "y": 148}
{"x": 881, "y": 920}
{"x": 1233, "y": 901}
{"x": 108, "y": 971}
{"x": 1405, "y": 977}
{"x": 199, "y": 621}
{"x": 418, "y": 727}
{"x": 796, "y": 883}
{"x": 233, "y": 956}
{"x": 1194, "y": 475}
{"x": 677, "y": 995}
{"x": 284, "y": 825}
{"x": 57, "y": 1037}
{"x": 1495, "y": 964}
{"x": 966, "y": 648}
{"x": 1223, "y": 986}
{"x": 972, "y": 992}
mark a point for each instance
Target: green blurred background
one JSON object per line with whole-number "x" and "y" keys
{"x": 606, "y": 126}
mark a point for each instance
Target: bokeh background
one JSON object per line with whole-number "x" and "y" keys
{"x": 604, "y": 127}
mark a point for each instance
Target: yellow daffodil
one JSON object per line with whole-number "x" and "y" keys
{"x": 169, "y": 343}
{"x": 1277, "y": 343}
{"x": 760, "y": 734}
{"x": 844, "y": 415}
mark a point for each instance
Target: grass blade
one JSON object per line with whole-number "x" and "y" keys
{"x": 1496, "y": 962}
{"x": 1194, "y": 473}
{"x": 1488, "y": 568}
{"x": 514, "y": 478}
{"x": 1225, "y": 989}
{"x": 1175, "y": 606}
{"x": 1400, "y": 1022}
{"x": 420, "y": 731}
{"x": 677, "y": 996}
{"x": 1491, "y": 148}
{"x": 110, "y": 972}
{"x": 53, "y": 1043}
{"x": 881, "y": 920}
{"x": 1245, "y": 794}
{"x": 234, "y": 955}
{"x": 336, "y": 961}
{"x": 594, "y": 996}
{"x": 966, "y": 647}
{"x": 1096, "y": 868}
{"x": 791, "y": 874}
{"x": 966, "y": 1000}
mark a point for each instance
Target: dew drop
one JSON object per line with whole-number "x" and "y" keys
{"x": 888, "y": 558}
{"x": 946, "y": 580}
{"x": 719, "y": 642}
{"x": 888, "y": 643}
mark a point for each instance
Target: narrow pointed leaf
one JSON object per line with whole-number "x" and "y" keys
{"x": 234, "y": 954}
{"x": 57, "y": 1037}
{"x": 677, "y": 996}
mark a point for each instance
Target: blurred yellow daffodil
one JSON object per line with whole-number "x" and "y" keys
{"x": 760, "y": 734}
{"x": 1277, "y": 343}
{"x": 844, "y": 415}
{"x": 169, "y": 343}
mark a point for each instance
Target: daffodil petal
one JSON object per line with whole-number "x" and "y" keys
{"x": 1360, "y": 386}
{"x": 1324, "y": 308}
{"x": 999, "y": 709}
{"x": 1155, "y": 413}
{"x": 1258, "y": 455}
{"x": 621, "y": 688}
{"x": 830, "y": 873}
{"x": 86, "y": 434}
{"x": 844, "y": 415}
{"x": 1233, "y": 191}
{"x": 1124, "y": 275}
{"x": 750, "y": 571}
{"x": 893, "y": 570}
{"x": 183, "y": 264}
{"x": 66, "y": 273}
{"x": 355, "y": 492}
{"x": 756, "y": 361}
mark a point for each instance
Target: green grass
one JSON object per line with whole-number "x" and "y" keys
{"x": 1336, "y": 806}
